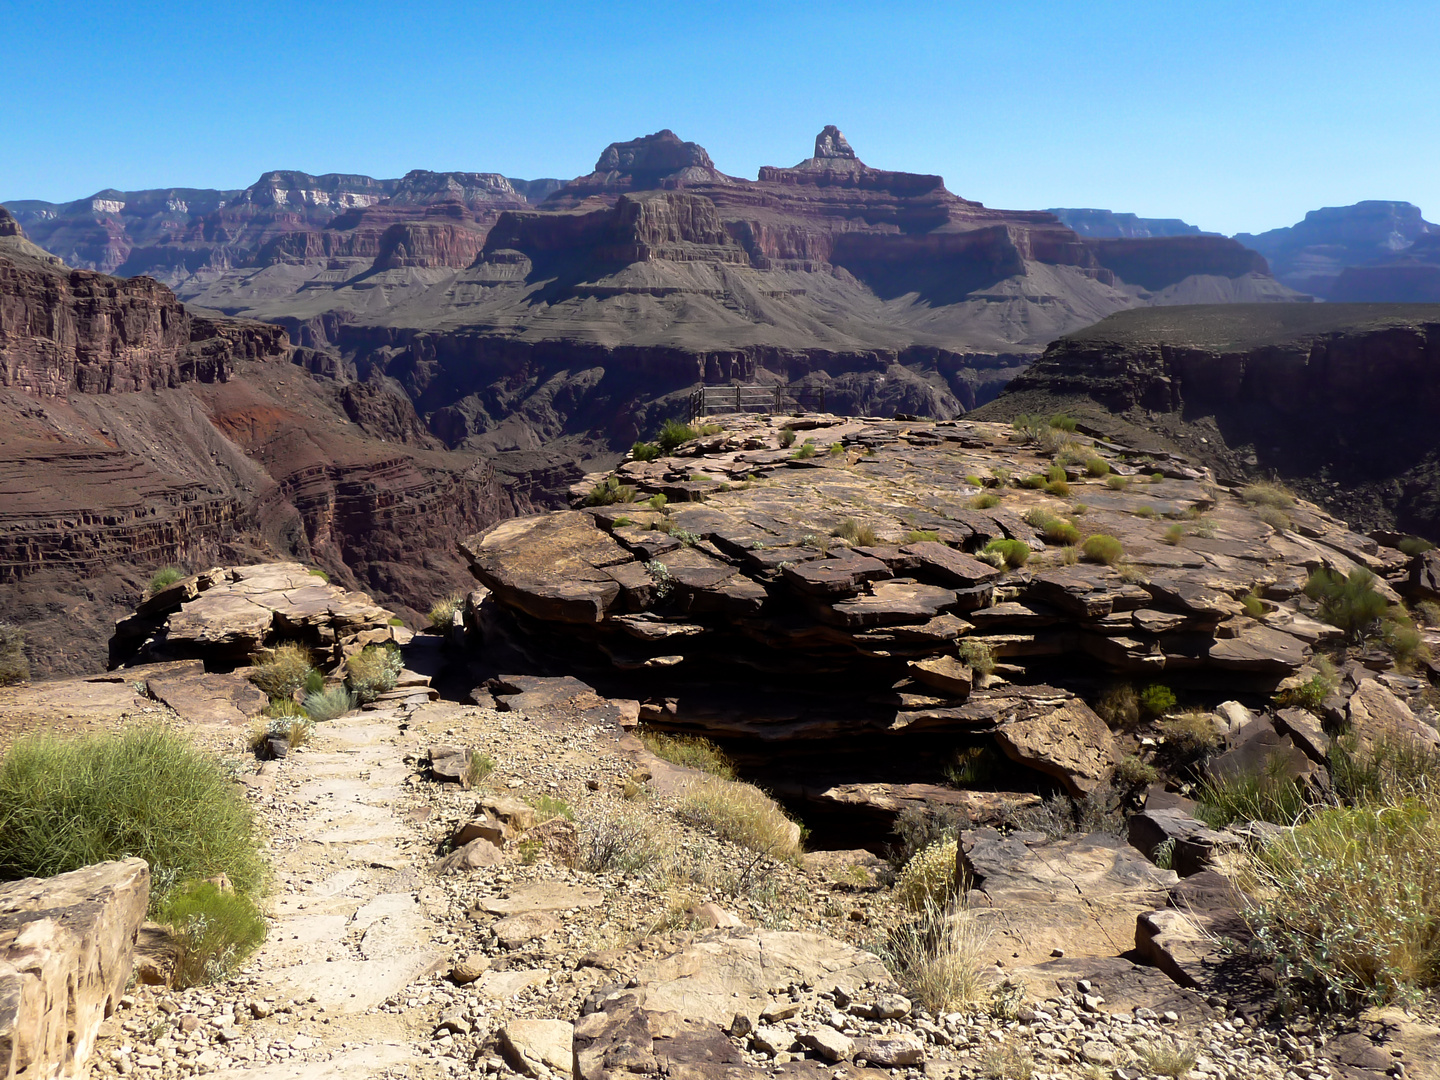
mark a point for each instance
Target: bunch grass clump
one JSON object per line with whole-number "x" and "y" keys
{"x": 1262, "y": 795}
{"x": 1102, "y": 548}
{"x": 984, "y": 501}
{"x": 214, "y": 932}
{"x": 645, "y": 451}
{"x": 1056, "y": 530}
{"x": 1189, "y": 734}
{"x": 743, "y": 814}
{"x": 442, "y": 612}
{"x": 1012, "y": 554}
{"x": 329, "y": 703}
{"x": 1349, "y": 907}
{"x": 624, "y": 839}
{"x": 609, "y": 492}
{"x": 938, "y": 956}
{"x": 858, "y": 535}
{"x": 14, "y": 664}
{"x": 689, "y": 751}
{"x": 673, "y": 433}
{"x": 979, "y": 656}
{"x": 373, "y": 671}
{"x": 1268, "y": 493}
{"x": 1348, "y": 601}
{"x": 66, "y": 803}
{"x": 921, "y": 536}
{"x": 284, "y": 671}
{"x": 929, "y": 876}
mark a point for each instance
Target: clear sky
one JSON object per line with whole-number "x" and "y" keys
{"x": 1234, "y": 116}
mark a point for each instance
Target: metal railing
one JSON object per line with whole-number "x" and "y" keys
{"x": 773, "y": 398}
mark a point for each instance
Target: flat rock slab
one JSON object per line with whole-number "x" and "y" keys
{"x": 103, "y": 700}
{"x": 1121, "y": 986}
{"x": 209, "y": 698}
{"x": 1081, "y": 896}
{"x": 357, "y": 986}
{"x": 350, "y": 1065}
{"x": 504, "y": 985}
{"x": 547, "y": 896}
{"x": 1070, "y": 743}
{"x": 726, "y": 972}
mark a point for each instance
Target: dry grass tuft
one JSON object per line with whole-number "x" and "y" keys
{"x": 939, "y": 958}
{"x": 284, "y": 671}
{"x": 743, "y": 814}
{"x": 689, "y": 751}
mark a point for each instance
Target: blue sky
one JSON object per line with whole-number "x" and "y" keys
{"x": 1234, "y": 116}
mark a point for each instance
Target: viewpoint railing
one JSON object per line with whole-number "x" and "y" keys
{"x": 773, "y": 398}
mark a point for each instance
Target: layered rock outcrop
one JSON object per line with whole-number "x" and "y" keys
{"x": 833, "y": 600}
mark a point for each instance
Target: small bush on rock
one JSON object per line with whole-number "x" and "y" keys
{"x": 938, "y": 957}
{"x": 621, "y": 839}
{"x": 920, "y": 827}
{"x": 1414, "y": 545}
{"x": 1189, "y": 734}
{"x": 978, "y": 656}
{"x": 282, "y": 672}
{"x": 1157, "y": 700}
{"x": 1097, "y": 466}
{"x": 373, "y": 671}
{"x": 14, "y": 666}
{"x": 1117, "y": 483}
{"x": 644, "y": 451}
{"x": 1266, "y": 493}
{"x": 1103, "y": 549}
{"x": 164, "y": 578}
{"x": 1347, "y": 601}
{"x": 1135, "y": 771}
{"x": 858, "y": 535}
{"x": 1119, "y": 706}
{"x": 921, "y": 536}
{"x": 787, "y": 438}
{"x": 985, "y": 501}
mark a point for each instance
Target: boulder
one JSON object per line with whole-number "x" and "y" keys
{"x": 450, "y": 765}
{"x": 1070, "y": 743}
{"x": 1375, "y": 714}
{"x": 1079, "y": 895}
{"x": 944, "y": 673}
{"x": 66, "y": 944}
{"x": 472, "y": 856}
{"x": 1193, "y": 845}
{"x": 1261, "y": 751}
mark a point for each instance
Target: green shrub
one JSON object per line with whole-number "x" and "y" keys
{"x": 548, "y": 807}
{"x": 657, "y": 502}
{"x": 673, "y": 433}
{"x": 836, "y": 449}
{"x": 1311, "y": 694}
{"x": 481, "y": 766}
{"x": 742, "y": 814}
{"x": 1147, "y": 512}
{"x": 1174, "y": 533}
{"x": 1056, "y": 472}
{"x": 1103, "y": 549}
{"x": 1034, "y": 483}
{"x": 146, "y": 791}
{"x": 787, "y": 438}
{"x": 978, "y": 656}
{"x": 645, "y": 451}
{"x": 284, "y": 708}
{"x": 284, "y": 671}
{"x": 1059, "y": 488}
{"x": 214, "y": 932}
{"x": 1117, "y": 483}
{"x": 1156, "y": 700}
{"x": 1097, "y": 466}
{"x": 1429, "y": 612}
{"x": 373, "y": 671}
{"x": 609, "y": 492}
{"x": 921, "y": 536}
{"x": 1015, "y": 553}
{"x": 974, "y": 481}
{"x": 321, "y": 574}
{"x": 1266, "y": 493}
{"x": 314, "y": 682}
{"x": 1063, "y": 422}
{"x": 929, "y": 876}
{"x": 1402, "y": 638}
{"x": 858, "y": 535}
{"x": 442, "y": 612}
{"x": 807, "y": 450}
{"x": 1253, "y": 605}
{"x": 396, "y": 621}
{"x": 329, "y": 704}
{"x": 690, "y": 751}
{"x": 1119, "y": 706}
{"x": 1135, "y": 771}
{"x": 1414, "y": 545}
{"x": 1349, "y": 602}
{"x": 972, "y": 766}
{"x": 164, "y": 578}
{"x": 1189, "y": 734}
{"x": 14, "y": 666}
{"x": 984, "y": 501}
{"x": 1079, "y": 510}
{"x": 1055, "y": 530}
{"x": 1348, "y": 905}
{"x": 1026, "y": 428}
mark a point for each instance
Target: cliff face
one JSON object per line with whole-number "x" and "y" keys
{"x": 135, "y": 433}
{"x": 1337, "y": 399}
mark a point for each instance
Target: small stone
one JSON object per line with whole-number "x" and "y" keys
{"x": 828, "y": 1043}
{"x": 772, "y": 1041}
{"x": 741, "y": 1026}
{"x": 891, "y": 1007}
{"x": 302, "y": 1042}
{"x": 261, "y": 1009}
{"x": 189, "y": 1022}
{"x": 779, "y": 1010}
{"x": 891, "y": 1053}
{"x": 470, "y": 969}
{"x": 1098, "y": 1053}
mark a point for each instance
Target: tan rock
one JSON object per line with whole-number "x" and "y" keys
{"x": 530, "y": 1046}
{"x": 66, "y": 945}
{"x": 1069, "y": 743}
